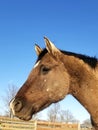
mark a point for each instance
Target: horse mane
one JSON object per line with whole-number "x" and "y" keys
{"x": 91, "y": 61}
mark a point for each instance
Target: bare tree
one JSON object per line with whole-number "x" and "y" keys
{"x": 66, "y": 116}
{"x": 9, "y": 94}
{"x": 53, "y": 112}
{"x": 87, "y": 123}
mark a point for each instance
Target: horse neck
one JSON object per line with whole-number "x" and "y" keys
{"x": 83, "y": 83}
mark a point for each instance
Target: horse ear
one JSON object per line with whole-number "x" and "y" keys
{"x": 38, "y": 49}
{"x": 51, "y": 48}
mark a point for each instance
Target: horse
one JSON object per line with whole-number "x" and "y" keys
{"x": 57, "y": 73}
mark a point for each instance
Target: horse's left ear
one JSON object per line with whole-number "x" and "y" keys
{"x": 55, "y": 52}
{"x": 38, "y": 49}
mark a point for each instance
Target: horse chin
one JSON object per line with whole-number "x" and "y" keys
{"x": 24, "y": 115}
{"x": 25, "y": 118}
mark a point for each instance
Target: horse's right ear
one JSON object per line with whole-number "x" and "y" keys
{"x": 51, "y": 48}
{"x": 38, "y": 49}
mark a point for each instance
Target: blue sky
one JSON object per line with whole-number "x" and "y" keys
{"x": 71, "y": 24}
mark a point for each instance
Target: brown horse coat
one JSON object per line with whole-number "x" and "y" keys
{"x": 56, "y": 74}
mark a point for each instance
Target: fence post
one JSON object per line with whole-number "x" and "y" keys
{"x": 79, "y": 126}
{"x": 35, "y": 124}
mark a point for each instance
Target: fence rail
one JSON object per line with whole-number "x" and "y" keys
{"x": 16, "y": 124}
{"x": 56, "y": 124}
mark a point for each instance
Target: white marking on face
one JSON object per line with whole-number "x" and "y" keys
{"x": 47, "y": 90}
{"x": 36, "y": 64}
{"x": 45, "y": 80}
{"x": 12, "y": 106}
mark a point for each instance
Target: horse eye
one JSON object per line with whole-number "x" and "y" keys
{"x": 44, "y": 69}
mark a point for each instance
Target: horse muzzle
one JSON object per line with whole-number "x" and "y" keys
{"x": 18, "y": 109}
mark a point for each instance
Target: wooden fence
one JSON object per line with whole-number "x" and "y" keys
{"x": 56, "y": 124}
{"x": 16, "y": 124}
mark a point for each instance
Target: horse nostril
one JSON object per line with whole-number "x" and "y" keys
{"x": 17, "y": 105}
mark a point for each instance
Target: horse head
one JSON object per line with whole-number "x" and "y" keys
{"x": 47, "y": 83}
